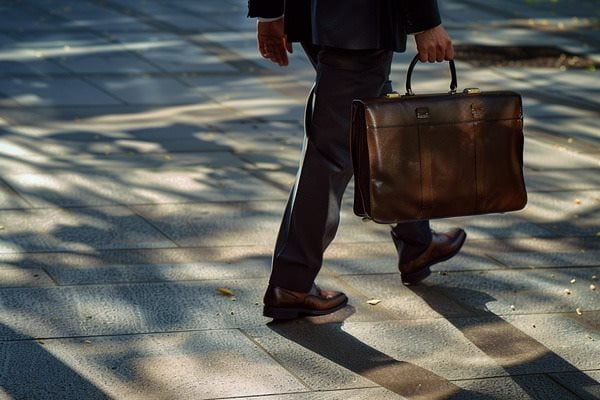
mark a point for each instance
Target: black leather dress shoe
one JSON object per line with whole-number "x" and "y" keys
{"x": 443, "y": 246}
{"x": 286, "y": 304}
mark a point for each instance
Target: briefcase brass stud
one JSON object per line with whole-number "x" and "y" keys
{"x": 392, "y": 95}
{"x": 471, "y": 91}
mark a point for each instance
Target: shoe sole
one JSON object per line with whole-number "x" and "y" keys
{"x": 417, "y": 276}
{"x": 291, "y": 313}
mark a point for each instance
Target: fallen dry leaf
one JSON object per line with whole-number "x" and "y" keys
{"x": 573, "y": 280}
{"x": 512, "y": 307}
{"x": 577, "y": 201}
{"x": 87, "y": 341}
{"x": 40, "y": 341}
{"x": 594, "y": 277}
{"x": 567, "y": 292}
{"x": 578, "y": 311}
{"x": 592, "y": 287}
{"x": 373, "y": 302}
{"x": 225, "y": 291}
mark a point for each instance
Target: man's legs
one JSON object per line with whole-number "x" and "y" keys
{"x": 311, "y": 217}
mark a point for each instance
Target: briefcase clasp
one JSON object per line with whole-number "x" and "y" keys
{"x": 470, "y": 90}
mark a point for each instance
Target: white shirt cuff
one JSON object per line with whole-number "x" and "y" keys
{"x": 261, "y": 19}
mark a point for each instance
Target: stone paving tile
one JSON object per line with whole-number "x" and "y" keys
{"x": 568, "y": 213}
{"x": 494, "y": 226}
{"x": 32, "y": 163}
{"x": 92, "y": 310}
{"x": 89, "y": 16}
{"x": 9, "y": 199}
{"x": 397, "y": 301}
{"x": 580, "y": 350}
{"x": 251, "y": 96}
{"x": 533, "y": 244}
{"x": 105, "y": 60}
{"x": 276, "y": 142}
{"x": 16, "y": 17}
{"x": 185, "y": 57}
{"x": 99, "y": 136}
{"x": 131, "y": 273}
{"x": 548, "y": 259}
{"x": 235, "y": 224}
{"x": 536, "y": 158}
{"x": 78, "y": 229}
{"x": 147, "y": 90}
{"x": 381, "y": 258}
{"x": 55, "y": 92}
{"x": 10, "y": 68}
{"x": 23, "y": 277}
{"x": 432, "y": 345}
{"x": 241, "y": 260}
{"x": 524, "y": 387}
{"x": 59, "y": 43}
{"x": 200, "y": 365}
{"x": 141, "y": 186}
{"x": 562, "y": 180}
{"x": 521, "y": 291}
{"x": 580, "y": 384}
{"x": 352, "y": 394}
{"x": 572, "y": 131}
{"x": 317, "y": 372}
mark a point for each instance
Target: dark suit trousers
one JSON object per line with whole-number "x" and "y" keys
{"x": 312, "y": 213}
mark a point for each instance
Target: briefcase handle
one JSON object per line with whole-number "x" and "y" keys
{"x": 453, "y": 82}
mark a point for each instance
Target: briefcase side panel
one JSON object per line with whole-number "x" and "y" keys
{"x": 360, "y": 160}
{"x": 500, "y": 182}
{"x": 396, "y": 174}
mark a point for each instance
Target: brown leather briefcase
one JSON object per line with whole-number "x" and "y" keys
{"x": 432, "y": 156}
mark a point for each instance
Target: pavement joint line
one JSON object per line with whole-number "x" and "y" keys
{"x": 131, "y": 283}
{"x": 549, "y": 376}
{"x": 311, "y": 391}
{"x": 12, "y": 192}
{"x": 167, "y": 332}
{"x": 275, "y": 359}
{"x": 141, "y": 74}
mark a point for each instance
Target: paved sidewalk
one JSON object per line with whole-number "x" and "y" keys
{"x": 146, "y": 153}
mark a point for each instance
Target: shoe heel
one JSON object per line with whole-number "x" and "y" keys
{"x": 280, "y": 313}
{"x": 415, "y": 277}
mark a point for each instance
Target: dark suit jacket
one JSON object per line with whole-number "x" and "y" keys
{"x": 351, "y": 24}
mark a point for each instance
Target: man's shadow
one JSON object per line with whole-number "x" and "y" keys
{"x": 325, "y": 336}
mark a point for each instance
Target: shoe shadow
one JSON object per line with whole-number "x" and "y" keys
{"x": 325, "y": 336}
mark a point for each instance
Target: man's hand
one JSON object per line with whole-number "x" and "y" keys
{"x": 434, "y": 45}
{"x": 272, "y": 42}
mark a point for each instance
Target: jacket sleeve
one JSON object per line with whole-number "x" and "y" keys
{"x": 265, "y": 8}
{"x": 421, "y": 15}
